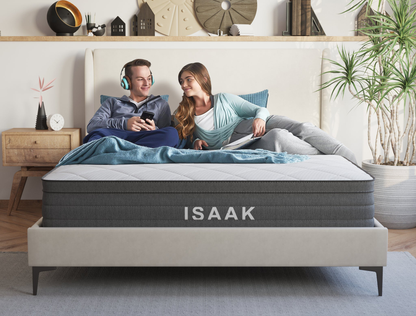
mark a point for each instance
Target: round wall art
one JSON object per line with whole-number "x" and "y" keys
{"x": 217, "y": 15}
{"x": 174, "y": 17}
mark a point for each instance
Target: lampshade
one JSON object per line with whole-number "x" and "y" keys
{"x": 64, "y": 18}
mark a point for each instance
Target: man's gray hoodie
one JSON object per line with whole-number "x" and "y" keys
{"x": 115, "y": 112}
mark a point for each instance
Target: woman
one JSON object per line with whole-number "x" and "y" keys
{"x": 213, "y": 121}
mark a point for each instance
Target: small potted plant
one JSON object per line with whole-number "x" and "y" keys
{"x": 381, "y": 75}
{"x": 41, "y": 117}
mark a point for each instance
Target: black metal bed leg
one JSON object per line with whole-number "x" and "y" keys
{"x": 379, "y": 273}
{"x": 35, "y": 276}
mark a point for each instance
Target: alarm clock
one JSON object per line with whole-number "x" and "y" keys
{"x": 55, "y": 122}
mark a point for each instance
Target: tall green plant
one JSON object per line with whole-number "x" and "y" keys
{"x": 382, "y": 75}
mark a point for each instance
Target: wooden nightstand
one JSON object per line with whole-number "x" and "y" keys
{"x": 36, "y": 152}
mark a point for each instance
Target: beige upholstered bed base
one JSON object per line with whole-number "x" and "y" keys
{"x": 209, "y": 246}
{"x": 201, "y": 247}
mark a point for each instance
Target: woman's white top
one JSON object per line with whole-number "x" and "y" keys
{"x": 206, "y": 120}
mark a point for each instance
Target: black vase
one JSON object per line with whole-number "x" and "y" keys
{"x": 41, "y": 118}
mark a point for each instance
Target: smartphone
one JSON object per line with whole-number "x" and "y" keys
{"x": 147, "y": 115}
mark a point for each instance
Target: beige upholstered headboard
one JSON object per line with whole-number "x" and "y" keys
{"x": 292, "y": 76}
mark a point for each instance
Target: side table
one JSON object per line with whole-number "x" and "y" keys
{"x": 36, "y": 152}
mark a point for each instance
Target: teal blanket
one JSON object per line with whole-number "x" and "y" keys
{"x": 112, "y": 150}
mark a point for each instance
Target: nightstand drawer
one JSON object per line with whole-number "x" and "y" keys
{"x": 34, "y": 156}
{"x": 35, "y": 141}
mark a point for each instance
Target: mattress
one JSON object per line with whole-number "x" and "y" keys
{"x": 324, "y": 191}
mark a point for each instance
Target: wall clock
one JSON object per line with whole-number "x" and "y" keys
{"x": 174, "y": 17}
{"x": 55, "y": 122}
{"x": 216, "y": 15}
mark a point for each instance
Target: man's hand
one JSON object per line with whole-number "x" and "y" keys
{"x": 149, "y": 124}
{"x": 199, "y": 143}
{"x": 136, "y": 124}
{"x": 259, "y": 127}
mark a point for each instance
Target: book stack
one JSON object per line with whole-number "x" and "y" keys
{"x": 241, "y": 30}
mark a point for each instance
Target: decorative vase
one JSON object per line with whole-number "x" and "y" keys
{"x": 394, "y": 194}
{"x": 41, "y": 118}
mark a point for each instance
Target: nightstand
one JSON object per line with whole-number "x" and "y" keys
{"x": 36, "y": 152}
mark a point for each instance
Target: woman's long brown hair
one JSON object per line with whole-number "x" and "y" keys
{"x": 186, "y": 110}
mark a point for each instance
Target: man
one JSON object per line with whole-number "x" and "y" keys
{"x": 121, "y": 117}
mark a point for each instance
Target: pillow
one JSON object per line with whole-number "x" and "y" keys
{"x": 258, "y": 98}
{"x": 105, "y": 97}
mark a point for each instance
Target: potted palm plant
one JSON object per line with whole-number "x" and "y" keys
{"x": 381, "y": 75}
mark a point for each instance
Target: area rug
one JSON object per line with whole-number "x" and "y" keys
{"x": 208, "y": 291}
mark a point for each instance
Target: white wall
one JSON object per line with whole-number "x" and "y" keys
{"x": 22, "y": 62}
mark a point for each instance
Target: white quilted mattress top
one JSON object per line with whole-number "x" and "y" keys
{"x": 317, "y": 168}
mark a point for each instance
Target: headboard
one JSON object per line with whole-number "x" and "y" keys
{"x": 292, "y": 76}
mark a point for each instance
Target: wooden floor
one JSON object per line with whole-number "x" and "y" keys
{"x": 13, "y": 229}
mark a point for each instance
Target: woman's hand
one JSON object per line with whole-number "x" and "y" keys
{"x": 199, "y": 143}
{"x": 259, "y": 127}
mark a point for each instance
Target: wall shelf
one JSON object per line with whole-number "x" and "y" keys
{"x": 182, "y": 38}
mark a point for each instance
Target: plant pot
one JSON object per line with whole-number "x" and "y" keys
{"x": 41, "y": 118}
{"x": 394, "y": 194}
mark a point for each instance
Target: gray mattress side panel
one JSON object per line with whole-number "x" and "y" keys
{"x": 157, "y": 210}
{"x": 205, "y": 199}
{"x": 206, "y": 186}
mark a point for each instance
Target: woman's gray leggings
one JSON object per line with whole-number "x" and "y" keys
{"x": 286, "y": 135}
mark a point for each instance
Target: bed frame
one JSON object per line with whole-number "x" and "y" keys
{"x": 292, "y": 76}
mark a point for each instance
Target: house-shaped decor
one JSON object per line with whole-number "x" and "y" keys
{"x": 118, "y": 27}
{"x": 362, "y": 19}
{"x": 145, "y": 21}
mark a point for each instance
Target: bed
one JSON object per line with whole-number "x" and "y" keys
{"x": 314, "y": 213}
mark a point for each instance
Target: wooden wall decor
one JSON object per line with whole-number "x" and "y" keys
{"x": 145, "y": 21}
{"x": 118, "y": 27}
{"x": 306, "y": 18}
{"x": 174, "y": 17}
{"x": 213, "y": 17}
{"x": 296, "y": 17}
{"x": 362, "y": 19}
